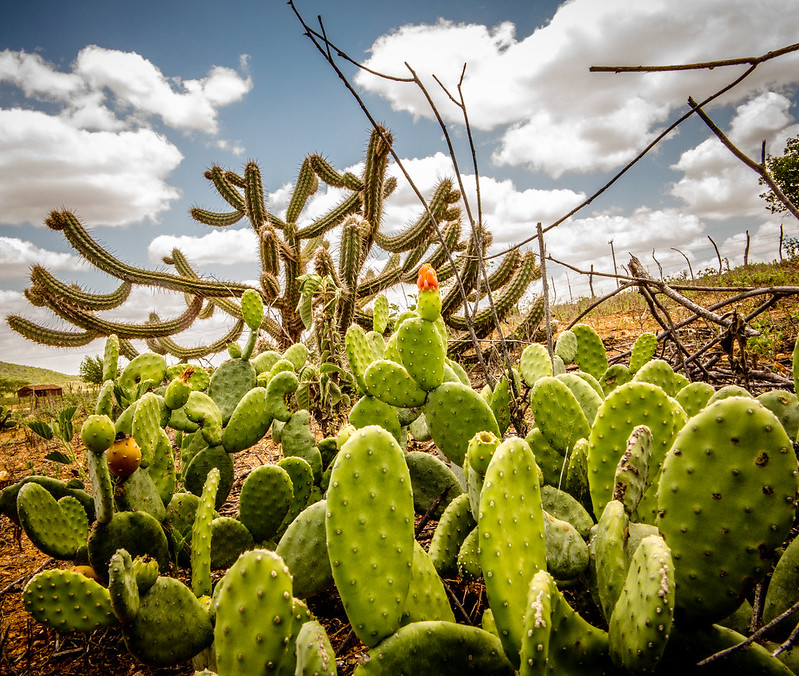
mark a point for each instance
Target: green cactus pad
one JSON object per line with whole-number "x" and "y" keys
{"x": 137, "y": 532}
{"x": 315, "y": 656}
{"x": 145, "y": 426}
{"x": 567, "y": 553}
{"x": 615, "y": 376}
{"x": 624, "y": 409}
{"x": 230, "y": 382}
{"x": 784, "y": 405}
{"x": 660, "y": 373}
{"x": 170, "y": 627}
{"x": 633, "y": 469}
{"x": 427, "y": 598}
{"x": 422, "y": 352}
{"x": 110, "y": 357}
{"x": 229, "y": 540}
{"x": 608, "y": 555}
{"x": 97, "y": 433}
{"x": 68, "y": 601}
{"x": 726, "y": 499}
{"x": 162, "y": 467}
{"x": 370, "y": 532}
{"x": 249, "y": 422}
{"x": 480, "y": 450}
{"x": 591, "y": 356}
{"x": 437, "y": 647}
{"x": 586, "y": 396}
{"x": 57, "y": 528}
{"x": 535, "y": 363}
{"x": 500, "y": 404}
{"x": 122, "y": 586}
{"x": 254, "y": 615}
{"x": 265, "y": 361}
{"x": 469, "y": 567}
{"x": 201, "y": 464}
{"x": 299, "y": 441}
{"x": 430, "y": 480}
{"x": 252, "y": 309}
{"x": 566, "y": 346}
{"x": 453, "y": 527}
{"x": 138, "y": 492}
{"x": 643, "y": 350}
{"x": 203, "y": 411}
{"x": 391, "y": 383}
{"x": 278, "y": 392}
{"x": 563, "y": 506}
{"x": 783, "y": 590}
{"x": 694, "y": 397}
{"x": 302, "y": 481}
{"x": 576, "y": 479}
{"x": 359, "y": 354}
{"x": 552, "y": 463}
{"x": 558, "y": 414}
{"x": 304, "y": 549}
{"x": 728, "y": 391}
{"x": 455, "y": 413}
{"x": 265, "y": 500}
{"x": 201, "y": 537}
{"x": 371, "y": 411}
{"x": 145, "y": 367}
{"x": 537, "y": 625}
{"x": 642, "y": 618}
{"x": 511, "y": 520}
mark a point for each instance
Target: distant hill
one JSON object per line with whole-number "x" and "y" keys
{"x": 14, "y": 376}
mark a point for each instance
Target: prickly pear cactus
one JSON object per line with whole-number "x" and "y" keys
{"x": 437, "y": 647}
{"x": 535, "y": 363}
{"x": 726, "y": 499}
{"x": 370, "y": 532}
{"x": 68, "y": 601}
{"x": 58, "y": 528}
{"x": 643, "y": 350}
{"x": 590, "y": 356}
{"x": 265, "y": 499}
{"x": 455, "y": 413}
{"x": 253, "y": 615}
{"x": 642, "y": 618}
{"x": 511, "y": 519}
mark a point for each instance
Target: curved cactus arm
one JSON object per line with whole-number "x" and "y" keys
{"x": 423, "y": 229}
{"x": 374, "y": 179}
{"x": 328, "y": 174}
{"x": 87, "y": 247}
{"x": 226, "y": 187}
{"x": 504, "y": 302}
{"x": 184, "y": 353}
{"x": 504, "y": 273}
{"x": 325, "y": 266}
{"x": 307, "y": 184}
{"x": 468, "y": 270}
{"x": 451, "y": 235}
{"x": 216, "y": 219}
{"x": 90, "y": 322}
{"x": 254, "y": 195}
{"x": 42, "y": 279}
{"x": 46, "y": 336}
{"x": 389, "y": 276}
{"x": 331, "y": 219}
{"x": 531, "y": 320}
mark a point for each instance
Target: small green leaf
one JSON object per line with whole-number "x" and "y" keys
{"x": 42, "y": 429}
{"x": 59, "y": 456}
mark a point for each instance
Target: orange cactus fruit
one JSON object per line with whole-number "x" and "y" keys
{"x": 124, "y": 457}
{"x": 428, "y": 280}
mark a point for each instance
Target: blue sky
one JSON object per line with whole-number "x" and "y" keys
{"x": 114, "y": 110}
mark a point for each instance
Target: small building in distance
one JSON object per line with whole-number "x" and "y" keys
{"x": 38, "y": 391}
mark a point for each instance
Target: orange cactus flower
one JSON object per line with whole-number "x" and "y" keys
{"x": 428, "y": 279}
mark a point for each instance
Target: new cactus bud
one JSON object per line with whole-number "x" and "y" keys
{"x": 97, "y": 433}
{"x": 428, "y": 304}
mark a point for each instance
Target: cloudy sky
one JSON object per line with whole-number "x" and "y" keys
{"x": 114, "y": 110}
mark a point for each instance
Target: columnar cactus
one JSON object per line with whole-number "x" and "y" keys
{"x": 287, "y": 246}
